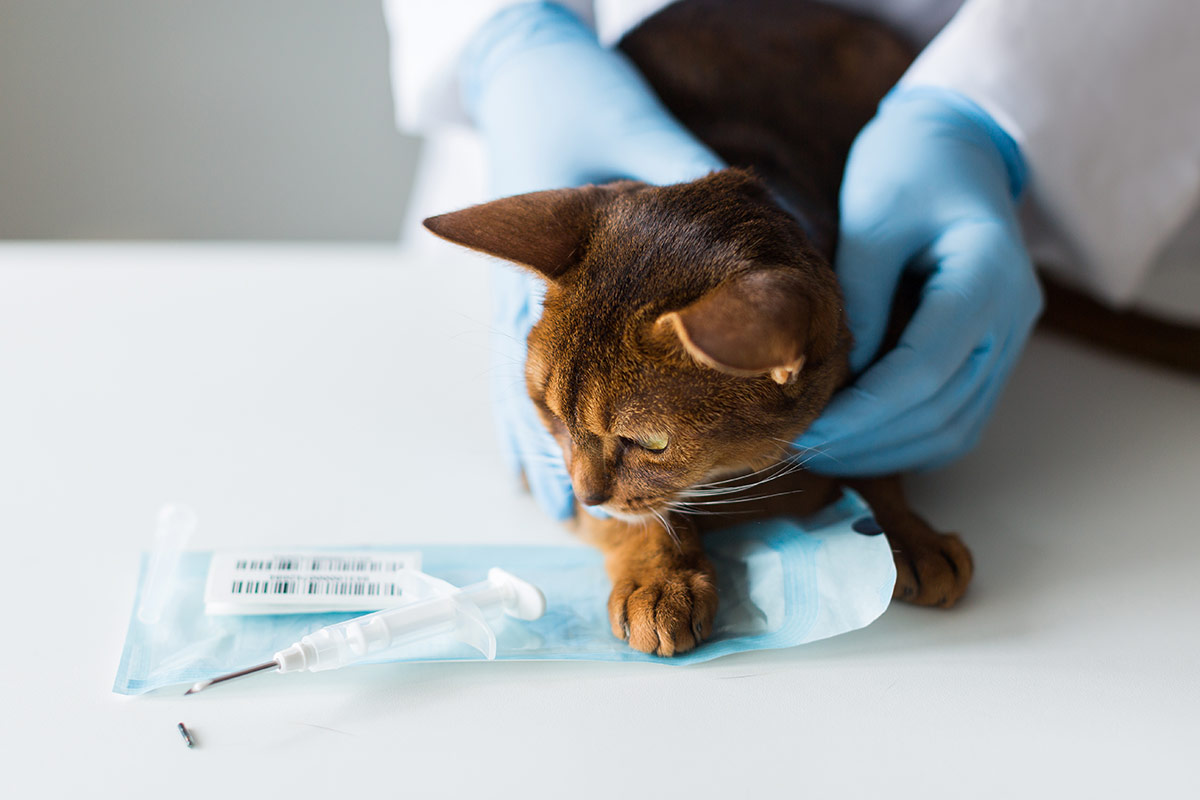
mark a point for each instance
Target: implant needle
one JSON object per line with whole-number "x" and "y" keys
{"x": 202, "y": 685}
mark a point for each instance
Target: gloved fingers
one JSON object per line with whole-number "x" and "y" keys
{"x": 920, "y": 441}
{"x": 657, "y": 149}
{"x": 965, "y": 309}
{"x": 522, "y": 38}
{"x": 888, "y": 446}
{"x": 868, "y": 274}
{"x": 653, "y": 148}
{"x": 516, "y": 307}
{"x": 542, "y": 459}
{"x": 970, "y": 435}
{"x": 531, "y": 447}
{"x": 558, "y": 109}
{"x": 972, "y": 299}
{"x": 884, "y": 219}
{"x": 921, "y": 365}
{"x": 963, "y": 433}
{"x": 516, "y": 301}
{"x": 956, "y": 438}
{"x": 527, "y": 446}
{"x": 502, "y": 415}
{"x": 510, "y": 324}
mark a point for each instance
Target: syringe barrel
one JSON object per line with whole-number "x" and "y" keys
{"x": 348, "y": 642}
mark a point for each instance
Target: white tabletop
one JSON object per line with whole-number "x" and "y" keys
{"x": 333, "y": 395}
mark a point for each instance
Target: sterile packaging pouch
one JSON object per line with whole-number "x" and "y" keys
{"x": 780, "y": 582}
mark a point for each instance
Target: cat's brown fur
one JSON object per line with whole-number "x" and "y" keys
{"x": 705, "y": 311}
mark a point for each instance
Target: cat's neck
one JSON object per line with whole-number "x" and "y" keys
{"x": 779, "y": 87}
{"x": 813, "y": 214}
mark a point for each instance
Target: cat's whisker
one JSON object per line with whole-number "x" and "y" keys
{"x": 815, "y": 450}
{"x": 682, "y": 508}
{"x": 792, "y": 444}
{"x": 808, "y": 451}
{"x": 700, "y": 488}
{"x": 746, "y": 475}
{"x": 670, "y": 530}
{"x": 744, "y": 499}
{"x": 785, "y": 469}
{"x": 741, "y": 487}
{"x": 787, "y": 458}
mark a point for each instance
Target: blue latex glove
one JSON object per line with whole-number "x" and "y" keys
{"x": 556, "y": 109}
{"x": 931, "y": 184}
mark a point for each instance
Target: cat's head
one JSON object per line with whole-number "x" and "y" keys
{"x": 689, "y": 332}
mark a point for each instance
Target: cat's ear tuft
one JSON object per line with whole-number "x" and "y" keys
{"x": 544, "y": 231}
{"x": 757, "y": 323}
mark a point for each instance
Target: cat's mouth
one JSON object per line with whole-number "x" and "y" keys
{"x": 627, "y": 514}
{"x": 639, "y": 509}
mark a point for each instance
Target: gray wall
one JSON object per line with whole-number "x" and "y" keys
{"x": 215, "y": 119}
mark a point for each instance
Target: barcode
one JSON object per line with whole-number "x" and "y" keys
{"x": 319, "y": 564}
{"x": 315, "y": 587}
{"x": 308, "y": 581}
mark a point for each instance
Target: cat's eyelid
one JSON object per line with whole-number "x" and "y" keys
{"x": 651, "y": 443}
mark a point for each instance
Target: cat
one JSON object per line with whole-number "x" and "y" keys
{"x": 691, "y": 332}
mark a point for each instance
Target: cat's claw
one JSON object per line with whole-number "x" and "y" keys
{"x": 665, "y": 612}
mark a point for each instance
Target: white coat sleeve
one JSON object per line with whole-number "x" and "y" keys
{"x": 427, "y": 37}
{"x": 1102, "y": 99}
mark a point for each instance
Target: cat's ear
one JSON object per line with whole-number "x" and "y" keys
{"x": 543, "y": 231}
{"x": 759, "y": 323}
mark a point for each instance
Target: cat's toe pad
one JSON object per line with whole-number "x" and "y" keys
{"x": 664, "y": 612}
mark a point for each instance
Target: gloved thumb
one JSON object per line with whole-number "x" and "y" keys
{"x": 664, "y": 152}
{"x": 868, "y": 270}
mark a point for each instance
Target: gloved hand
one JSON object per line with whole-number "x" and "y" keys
{"x": 556, "y": 109}
{"x": 930, "y": 185}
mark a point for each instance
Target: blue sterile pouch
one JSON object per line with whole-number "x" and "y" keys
{"x": 780, "y": 582}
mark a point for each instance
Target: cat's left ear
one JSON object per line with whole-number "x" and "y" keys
{"x": 764, "y": 322}
{"x": 543, "y": 231}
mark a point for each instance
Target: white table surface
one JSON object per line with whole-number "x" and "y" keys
{"x": 322, "y": 395}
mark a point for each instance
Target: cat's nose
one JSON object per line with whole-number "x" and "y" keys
{"x": 595, "y": 498}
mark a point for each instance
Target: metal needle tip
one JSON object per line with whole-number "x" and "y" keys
{"x": 202, "y": 685}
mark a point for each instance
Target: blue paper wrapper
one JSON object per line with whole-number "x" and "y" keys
{"x": 781, "y": 583}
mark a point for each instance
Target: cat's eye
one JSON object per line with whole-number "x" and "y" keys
{"x": 655, "y": 443}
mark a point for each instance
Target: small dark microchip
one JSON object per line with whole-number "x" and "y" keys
{"x": 186, "y": 734}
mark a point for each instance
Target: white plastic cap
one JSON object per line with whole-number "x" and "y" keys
{"x": 525, "y": 601}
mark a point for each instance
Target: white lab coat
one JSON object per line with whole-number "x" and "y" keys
{"x": 1101, "y": 95}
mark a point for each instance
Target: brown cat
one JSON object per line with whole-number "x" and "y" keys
{"x": 691, "y": 332}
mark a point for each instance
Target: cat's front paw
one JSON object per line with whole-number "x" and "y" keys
{"x": 932, "y": 569}
{"x": 665, "y": 611}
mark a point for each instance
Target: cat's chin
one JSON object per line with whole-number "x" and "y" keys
{"x": 626, "y": 515}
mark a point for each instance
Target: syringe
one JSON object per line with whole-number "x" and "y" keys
{"x": 462, "y": 613}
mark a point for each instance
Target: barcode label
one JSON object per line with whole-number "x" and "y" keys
{"x": 300, "y": 582}
{"x": 315, "y": 587}
{"x": 320, "y": 564}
